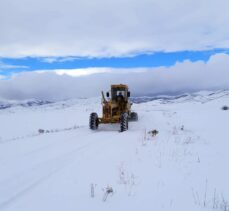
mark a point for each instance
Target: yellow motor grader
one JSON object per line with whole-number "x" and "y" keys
{"x": 116, "y": 109}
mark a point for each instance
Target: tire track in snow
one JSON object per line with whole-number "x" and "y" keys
{"x": 39, "y": 149}
{"x": 32, "y": 135}
{"x": 50, "y": 169}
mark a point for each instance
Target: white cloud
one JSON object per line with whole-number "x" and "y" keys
{"x": 110, "y": 28}
{"x": 182, "y": 77}
{"x": 58, "y": 59}
{"x": 9, "y": 66}
{"x": 2, "y": 77}
{"x": 77, "y": 72}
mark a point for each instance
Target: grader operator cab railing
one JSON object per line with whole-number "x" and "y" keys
{"x": 116, "y": 109}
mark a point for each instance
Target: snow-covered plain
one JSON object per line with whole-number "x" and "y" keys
{"x": 184, "y": 167}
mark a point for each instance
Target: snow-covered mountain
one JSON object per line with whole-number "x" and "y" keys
{"x": 69, "y": 167}
{"x": 4, "y": 104}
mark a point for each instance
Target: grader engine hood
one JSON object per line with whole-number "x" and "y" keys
{"x": 109, "y": 109}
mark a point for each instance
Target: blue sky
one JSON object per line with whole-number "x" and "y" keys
{"x": 15, "y": 65}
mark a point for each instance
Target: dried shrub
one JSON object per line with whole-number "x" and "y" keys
{"x": 225, "y": 108}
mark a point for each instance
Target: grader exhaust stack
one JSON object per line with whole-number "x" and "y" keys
{"x": 115, "y": 110}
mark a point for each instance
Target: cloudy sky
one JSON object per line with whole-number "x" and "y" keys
{"x": 71, "y": 48}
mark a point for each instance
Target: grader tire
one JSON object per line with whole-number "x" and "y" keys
{"x": 93, "y": 121}
{"x": 124, "y": 122}
{"x": 134, "y": 116}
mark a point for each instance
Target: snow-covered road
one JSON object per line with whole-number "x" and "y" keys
{"x": 183, "y": 168}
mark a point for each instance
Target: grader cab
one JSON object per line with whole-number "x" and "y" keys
{"x": 116, "y": 109}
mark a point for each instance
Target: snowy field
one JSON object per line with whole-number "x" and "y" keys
{"x": 69, "y": 167}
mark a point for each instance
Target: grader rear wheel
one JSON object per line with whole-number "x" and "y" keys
{"x": 134, "y": 116}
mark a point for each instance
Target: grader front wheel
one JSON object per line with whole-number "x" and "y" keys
{"x": 124, "y": 122}
{"x": 94, "y": 121}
